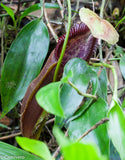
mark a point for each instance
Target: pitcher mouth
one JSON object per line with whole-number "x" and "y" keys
{"x": 80, "y": 44}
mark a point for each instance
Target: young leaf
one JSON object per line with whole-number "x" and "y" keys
{"x": 100, "y": 28}
{"x": 122, "y": 65}
{"x": 48, "y": 98}
{"x": 99, "y": 136}
{"x": 34, "y": 146}
{"x": 23, "y": 63}
{"x": 30, "y": 9}
{"x": 10, "y": 152}
{"x": 9, "y": 11}
{"x": 116, "y": 128}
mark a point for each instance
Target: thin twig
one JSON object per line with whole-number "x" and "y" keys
{"x": 95, "y": 59}
{"x": 18, "y": 7}
{"x": 108, "y": 55}
{"x": 93, "y": 6}
{"x": 94, "y": 127}
{"x": 100, "y": 41}
{"x": 42, "y": 2}
{"x": 77, "y": 7}
{"x": 50, "y": 121}
{"x": 16, "y": 2}
{"x": 10, "y": 136}
{"x": 49, "y": 26}
{"x": 61, "y": 6}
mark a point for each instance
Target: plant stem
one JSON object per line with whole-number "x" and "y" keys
{"x": 114, "y": 59}
{"x": 42, "y": 6}
{"x": 80, "y": 93}
{"x": 61, "y": 6}
{"x": 64, "y": 44}
{"x": 77, "y": 7}
{"x": 115, "y": 94}
{"x": 121, "y": 92}
{"x": 10, "y": 136}
{"x": 102, "y": 8}
{"x": 49, "y": 25}
{"x": 100, "y": 41}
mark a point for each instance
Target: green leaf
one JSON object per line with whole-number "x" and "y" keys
{"x": 30, "y": 10}
{"x": 4, "y": 126}
{"x": 82, "y": 77}
{"x": 48, "y": 98}
{"x": 116, "y": 129}
{"x": 23, "y": 63}
{"x": 119, "y": 50}
{"x": 122, "y": 65}
{"x": 10, "y": 152}
{"x": 82, "y": 152}
{"x": 38, "y": 7}
{"x": 9, "y": 11}
{"x": 121, "y": 20}
{"x": 123, "y": 103}
{"x": 99, "y": 136}
{"x": 52, "y": 5}
{"x": 75, "y": 150}
{"x": 102, "y": 85}
{"x": 113, "y": 152}
{"x": 60, "y": 137}
{"x": 34, "y": 146}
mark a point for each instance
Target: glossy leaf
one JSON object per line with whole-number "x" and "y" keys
{"x": 100, "y": 28}
{"x": 23, "y": 63}
{"x": 99, "y": 136}
{"x": 116, "y": 129}
{"x": 34, "y": 146}
{"x": 88, "y": 101}
{"x": 122, "y": 66}
{"x": 76, "y": 150}
{"x": 48, "y": 98}
{"x": 82, "y": 76}
{"x": 10, "y": 152}
{"x": 9, "y": 11}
